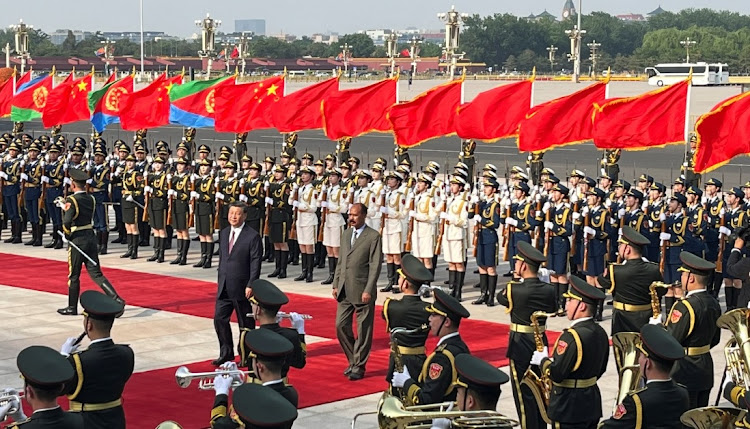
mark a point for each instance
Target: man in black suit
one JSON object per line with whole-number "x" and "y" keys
{"x": 240, "y": 252}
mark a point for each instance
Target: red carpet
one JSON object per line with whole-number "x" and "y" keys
{"x": 153, "y": 396}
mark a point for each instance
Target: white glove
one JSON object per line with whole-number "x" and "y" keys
{"x": 171, "y": 193}
{"x": 576, "y": 215}
{"x": 548, "y": 225}
{"x": 662, "y": 217}
{"x": 112, "y": 163}
{"x": 441, "y": 423}
{"x": 392, "y": 212}
{"x": 619, "y": 232}
{"x": 608, "y": 204}
{"x": 17, "y": 416}
{"x": 118, "y": 171}
{"x": 222, "y": 384}
{"x": 148, "y": 190}
{"x": 4, "y": 175}
{"x": 474, "y": 198}
{"x": 585, "y": 211}
{"x": 219, "y": 196}
{"x": 684, "y": 164}
{"x": 621, "y": 212}
{"x": 24, "y": 176}
{"x": 724, "y": 230}
{"x": 538, "y": 213}
{"x": 384, "y": 210}
{"x": 295, "y": 187}
{"x": 443, "y": 215}
{"x": 537, "y": 357}
{"x": 69, "y": 346}
{"x": 324, "y": 204}
{"x": 229, "y": 366}
{"x": 90, "y": 181}
{"x": 66, "y": 181}
{"x": 655, "y": 320}
{"x": 546, "y": 206}
{"x": 574, "y": 197}
{"x": 722, "y": 212}
{"x": 243, "y": 198}
{"x": 727, "y": 380}
{"x": 298, "y": 322}
{"x": 400, "y": 378}
{"x": 589, "y": 230}
{"x": 45, "y": 179}
{"x": 194, "y": 195}
{"x": 412, "y": 213}
{"x": 269, "y": 200}
{"x": 650, "y": 224}
{"x": 477, "y": 218}
{"x": 510, "y": 221}
{"x": 665, "y": 236}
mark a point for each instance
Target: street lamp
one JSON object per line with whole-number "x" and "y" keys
{"x": 453, "y": 20}
{"x": 243, "y": 48}
{"x": 552, "y": 50}
{"x": 391, "y": 49}
{"x": 22, "y": 42}
{"x": 227, "y": 54}
{"x": 594, "y": 56}
{"x": 345, "y": 53}
{"x": 687, "y": 43}
{"x": 575, "y": 49}
{"x": 109, "y": 51}
{"x": 414, "y": 49}
{"x": 208, "y": 27}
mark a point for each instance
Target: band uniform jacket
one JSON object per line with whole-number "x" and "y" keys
{"x": 223, "y": 416}
{"x": 359, "y": 267}
{"x": 692, "y": 322}
{"x": 436, "y": 382}
{"x": 101, "y": 372}
{"x": 410, "y": 312}
{"x": 55, "y": 418}
{"x": 238, "y": 269}
{"x": 296, "y": 359}
{"x": 522, "y": 299}
{"x": 629, "y": 283}
{"x": 580, "y": 358}
{"x": 659, "y": 405}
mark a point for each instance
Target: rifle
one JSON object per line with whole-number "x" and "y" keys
{"x": 663, "y": 256}
{"x": 477, "y": 229}
{"x": 323, "y": 215}
{"x": 169, "y": 202}
{"x": 439, "y": 243}
{"x": 219, "y": 202}
{"x": 191, "y": 212}
{"x": 506, "y": 236}
{"x": 384, "y": 216}
{"x": 722, "y": 243}
{"x": 23, "y": 187}
{"x": 146, "y": 198}
{"x": 407, "y": 247}
{"x": 586, "y": 223}
{"x": 267, "y": 226}
{"x": 548, "y": 233}
{"x": 295, "y": 214}
{"x": 622, "y": 223}
{"x": 539, "y": 230}
{"x": 573, "y": 233}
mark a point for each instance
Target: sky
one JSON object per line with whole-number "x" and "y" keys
{"x": 304, "y": 17}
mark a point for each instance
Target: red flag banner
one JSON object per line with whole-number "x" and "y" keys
{"x": 300, "y": 110}
{"x": 149, "y": 107}
{"x": 723, "y": 133}
{"x": 431, "y": 114}
{"x": 353, "y": 112}
{"x": 562, "y": 121}
{"x": 495, "y": 114}
{"x": 246, "y": 107}
{"x": 68, "y": 102}
{"x": 653, "y": 119}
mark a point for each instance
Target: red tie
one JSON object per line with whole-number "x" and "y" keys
{"x": 231, "y": 241}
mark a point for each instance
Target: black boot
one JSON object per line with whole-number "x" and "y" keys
{"x": 121, "y": 234}
{"x": 110, "y": 291}
{"x": 51, "y": 244}
{"x": 396, "y": 289}
{"x": 39, "y": 233}
{"x": 209, "y": 255}
{"x": 105, "y": 243}
{"x": 599, "y": 311}
{"x": 322, "y": 257}
{"x": 316, "y": 254}
{"x": 162, "y": 247}
{"x": 135, "y": 239}
{"x": 72, "y": 308}
{"x": 310, "y": 269}
{"x": 202, "y": 261}
{"x": 183, "y": 255}
{"x": 33, "y": 236}
{"x": 179, "y": 253}
{"x": 168, "y": 240}
{"x": 17, "y": 237}
{"x": 391, "y": 269}
{"x": 303, "y": 274}
{"x": 451, "y": 282}
{"x": 484, "y": 280}
{"x": 268, "y": 256}
{"x": 98, "y": 235}
{"x": 145, "y": 235}
{"x": 277, "y": 259}
{"x": 284, "y": 254}
{"x": 155, "y": 256}
{"x": 491, "y": 289}
{"x": 129, "y": 252}
{"x": 58, "y": 239}
{"x": 459, "y": 285}
{"x": 332, "y": 262}
{"x": 294, "y": 252}
{"x": 215, "y": 252}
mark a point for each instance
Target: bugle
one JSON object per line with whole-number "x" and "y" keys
{"x": 184, "y": 377}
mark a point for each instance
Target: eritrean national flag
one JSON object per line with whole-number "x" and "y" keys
{"x": 105, "y": 102}
{"x": 192, "y": 103}
{"x": 30, "y": 99}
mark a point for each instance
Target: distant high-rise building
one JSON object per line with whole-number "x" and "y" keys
{"x": 569, "y": 10}
{"x": 59, "y": 36}
{"x": 256, "y": 26}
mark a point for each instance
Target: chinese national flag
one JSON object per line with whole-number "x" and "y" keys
{"x": 562, "y": 121}
{"x": 353, "y": 112}
{"x": 7, "y": 91}
{"x": 723, "y": 133}
{"x": 431, "y": 114}
{"x": 246, "y": 107}
{"x": 653, "y": 119}
{"x": 68, "y": 102}
{"x": 300, "y": 110}
{"x": 149, "y": 107}
{"x": 495, "y": 114}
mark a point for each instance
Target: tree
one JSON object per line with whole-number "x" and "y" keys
{"x": 69, "y": 44}
{"x": 361, "y": 45}
{"x": 510, "y": 64}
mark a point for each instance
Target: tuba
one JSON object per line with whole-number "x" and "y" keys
{"x": 626, "y": 357}
{"x": 712, "y": 417}
{"x": 737, "y": 349}
{"x": 392, "y": 414}
{"x": 540, "y": 386}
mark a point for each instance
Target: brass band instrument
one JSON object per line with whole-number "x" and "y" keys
{"x": 712, "y": 417}
{"x": 398, "y": 361}
{"x": 284, "y": 315}
{"x": 169, "y": 424}
{"x": 624, "y": 345}
{"x": 540, "y": 385}
{"x": 392, "y": 414}
{"x": 184, "y": 377}
{"x": 655, "y": 300}
{"x": 7, "y": 396}
{"x": 737, "y": 349}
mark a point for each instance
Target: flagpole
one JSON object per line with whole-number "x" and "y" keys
{"x": 142, "y": 43}
{"x": 533, "y": 82}
{"x": 687, "y": 109}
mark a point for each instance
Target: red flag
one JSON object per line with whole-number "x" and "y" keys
{"x": 495, "y": 114}
{"x": 562, "y": 121}
{"x": 300, "y": 110}
{"x": 353, "y": 112}
{"x": 68, "y": 102}
{"x": 7, "y": 91}
{"x": 653, "y": 119}
{"x": 405, "y": 53}
{"x": 723, "y": 133}
{"x": 245, "y": 107}
{"x": 431, "y": 114}
{"x": 235, "y": 52}
{"x": 149, "y": 107}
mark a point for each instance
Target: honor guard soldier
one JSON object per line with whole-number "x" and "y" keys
{"x": 678, "y": 186}
{"x": 78, "y": 214}
{"x": 11, "y": 175}
{"x": 629, "y": 282}
{"x": 142, "y": 166}
{"x": 132, "y": 205}
{"x": 655, "y": 214}
{"x": 179, "y": 202}
{"x": 32, "y": 192}
{"x": 558, "y": 228}
{"x": 336, "y": 207}
{"x": 304, "y": 199}
{"x": 596, "y": 231}
{"x": 634, "y": 216}
{"x": 487, "y": 220}
{"x": 714, "y": 209}
{"x": 435, "y": 383}
{"x": 392, "y": 213}
{"x": 204, "y": 197}
{"x": 522, "y": 299}
{"x": 694, "y": 241}
{"x": 228, "y": 192}
{"x": 342, "y": 148}
{"x": 45, "y": 373}
{"x": 253, "y": 192}
{"x": 240, "y": 147}
{"x": 99, "y": 188}
{"x": 117, "y": 167}
{"x": 579, "y": 359}
{"x": 688, "y": 165}
{"x": 519, "y": 219}
{"x": 320, "y": 182}
{"x": 157, "y": 187}
{"x": 692, "y": 322}
{"x": 534, "y": 167}
{"x": 280, "y": 219}
{"x": 290, "y": 144}
{"x": 454, "y": 223}
{"x": 365, "y": 194}
{"x": 103, "y": 369}
{"x": 255, "y": 407}
{"x": 661, "y": 402}
{"x": 268, "y": 300}
{"x": 407, "y": 319}
{"x": 424, "y": 214}
{"x": 609, "y": 163}
{"x": 673, "y": 238}
{"x": 401, "y": 154}
{"x": 54, "y": 175}
{"x": 735, "y": 217}
{"x": 203, "y": 152}
{"x": 466, "y": 156}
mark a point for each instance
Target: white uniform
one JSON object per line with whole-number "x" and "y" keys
{"x": 396, "y": 211}
{"x": 372, "y": 199}
{"x": 337, "y": 206}
{"x": 307, "y": 221}
{"x": 455, "y": 237}
{"x": 425, "y": 214}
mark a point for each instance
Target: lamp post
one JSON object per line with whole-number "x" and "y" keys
{"x": 22, "y": 42}
{"x": 345, "y": 53}
{"x": 594, "y": 56}
{"x": 109, "y": 50}
{"x": 453, "y": 20}
{"x": 391, "y": 49}
{"x": 576, "y": 34}
{"x": 227, "y": 54}
{"x": 552, "y": 50}
{"x": 208, "y": 27}
{"x": 687, "y": 43}
{"x": 243, "y": 49}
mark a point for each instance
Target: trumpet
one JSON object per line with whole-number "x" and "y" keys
{"x": 6, "y": 397}
{"x": 284, "y": 315}
{"x": 184, "y": 377}
{"x": 392, "y": 414}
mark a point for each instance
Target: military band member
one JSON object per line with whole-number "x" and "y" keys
{"x": 735, "y": 217}
{"x": 662, "y": 401}
{"x": 268, "y": 352}
{"x": 305, "y": 205}
{"x": 156, "y": 192}
{"x": 688, "y": 165}
{"x": 11, "y": 175}
{"x": 204, "y": 196}
{"x": 280, "y": 219}
{"x": 32, "y": 192}
{"x": 337, "y": 206}
{"x": 132, "y": 205}
{"x": 455, "y": 234}
{"x": 558, "y": 228}
{"x": 54, "y": 176}
{"x": 256, "y": 406}
{"x": 579, "y": 359}
{"x": 253, "y": 193}
{"x": 393, "y": 212}
{"x": 435, "y": 381}
{"x": 692, "y": 321}
{"x": 179, "y": 195}
{"x": 609, "y": 163}
{"x": 522, "y": 299}
{"x": 488, "y": 220}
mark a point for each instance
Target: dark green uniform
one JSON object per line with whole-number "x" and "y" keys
{"x": 296, "y": 359}
{"x": 256, "y": 211}
{"x": 55, "y": 418}
{"x": 658, "y": 405}
{"x": 410, "y": 312}
{"x": 204, "y": 205}
{"x": 628, "y": 283}
{"x": 180, "y": 184}
{"x": 437, "y": 378}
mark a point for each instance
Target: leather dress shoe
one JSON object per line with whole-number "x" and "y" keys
{"x": 348, "y": 371}
{"x": 221, "y": 360}
{"x": 354, "y": 376}
{"x": 68, "y": 311}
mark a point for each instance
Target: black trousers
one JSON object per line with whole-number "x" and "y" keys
{"x": 580, "y": 425}
{"x": 87, "y": 244}
{"x": 526, "y": 406}
{"x": 698, "y": 398}
{"x": 224, "y": 308}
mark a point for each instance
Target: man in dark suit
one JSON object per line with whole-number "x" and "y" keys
{"x": 354, "y": 287}
{"x": 240, "y": 252}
